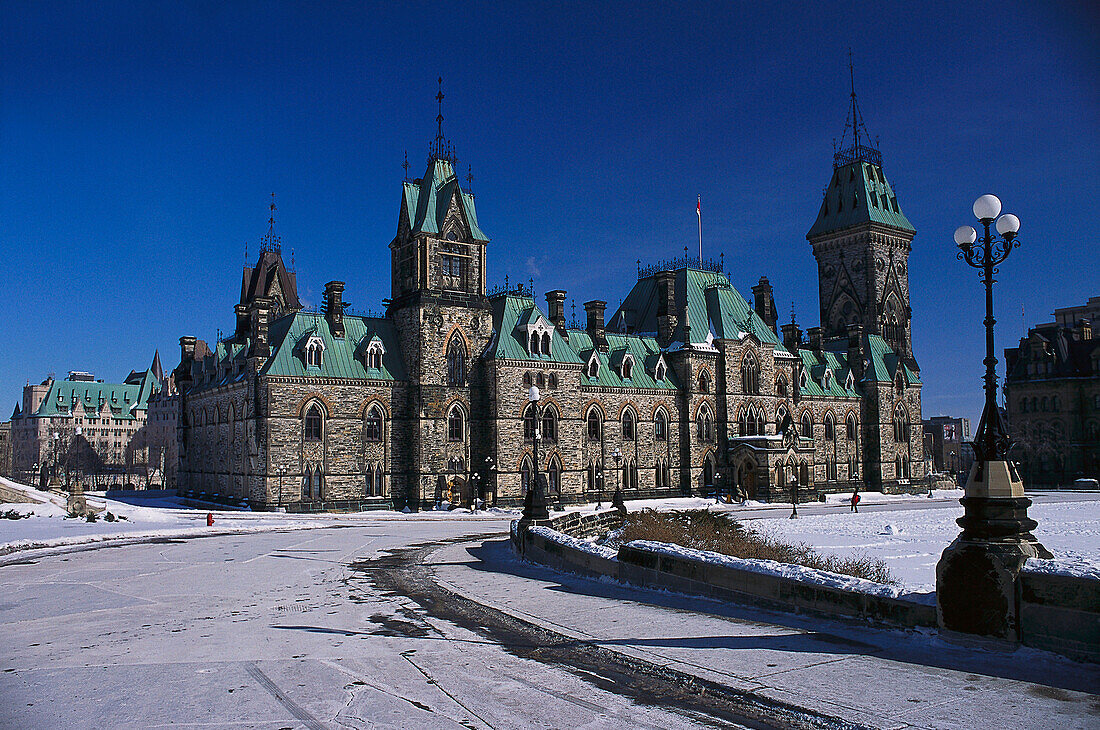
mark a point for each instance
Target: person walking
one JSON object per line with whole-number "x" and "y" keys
{"x": 855, "y": 501}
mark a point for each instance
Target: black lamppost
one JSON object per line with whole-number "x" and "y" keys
{"x": 599, "y": 488}
{"x": 976, "y": 576}
{"x": 534, "y": 502}
{"x": 794, "y": 493}
{"x": 489, "y": 483}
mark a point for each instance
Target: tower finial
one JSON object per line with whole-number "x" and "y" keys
{"x": 863, "y": 149}
{"x": 439, "y": 119}
{"x": 440, "y": 148}
{"x": 470, "y": 179}
{"x": 405, "y": 165}
{"x": 270, "y": 242}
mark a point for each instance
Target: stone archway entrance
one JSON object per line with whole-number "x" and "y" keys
{"x": 746, "y": 479}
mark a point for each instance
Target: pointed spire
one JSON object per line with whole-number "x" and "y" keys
{"x": 405, "y": 165}
{"x": 862, "y": 148}
{"x": 155, "y": 368}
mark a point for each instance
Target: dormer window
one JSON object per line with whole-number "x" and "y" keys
{"x": 594, "y": 366}
{"x": 374, "y": 355}
{"x": 660, "y": 374}
{"x": 850, "y": 383}
{"x": 545, "y": 343}
{"x": 827, "y": 381}
{"x": 314, "y": 352}
{"x": 628, "y": 367}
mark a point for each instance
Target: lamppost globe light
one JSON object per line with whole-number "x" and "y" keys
{"x": 533, "y": 393}
{"x": 1008, "y": 225}
{"x": 965, "y": 236}
{"x": 987, "y": 207}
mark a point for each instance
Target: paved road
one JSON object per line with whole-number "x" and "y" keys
{"x": 433, "y": 623}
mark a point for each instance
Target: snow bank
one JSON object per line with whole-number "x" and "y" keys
{"x": 576, "y": 543}
{"x": 773, "y": 568}
{"x": 1071, "y": 567}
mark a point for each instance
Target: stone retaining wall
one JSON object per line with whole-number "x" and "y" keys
{"x": 650, "y": 569}
{"x": 1061, "y": 613}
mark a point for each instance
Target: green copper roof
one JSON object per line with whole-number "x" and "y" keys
{"x": 816, "y": 368}
{"x": 715, "y": 310}
{"x": 427, "y": 201}
{"x": 644, "y": 350}
{"x": 857, "y": 194}
{"x": 340, "y": 358}
{"x": 124, "y": 400}
{"x": 510, "y": 314}
{"x": 885, "y": 362}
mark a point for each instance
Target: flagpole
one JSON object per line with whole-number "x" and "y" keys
{"x": 699, "y": 211}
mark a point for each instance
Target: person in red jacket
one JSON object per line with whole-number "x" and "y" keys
{"x": 855, "y": 501}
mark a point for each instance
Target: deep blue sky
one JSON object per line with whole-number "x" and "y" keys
{"x": 139, "y": 144}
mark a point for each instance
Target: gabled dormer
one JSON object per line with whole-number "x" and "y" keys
{"x": 370, "y": 352}
{"x": 310, "y": 348}
{"x": 592, "y": 365}
{"x": 537, "y": 333}
{"x": 622, "y": 362}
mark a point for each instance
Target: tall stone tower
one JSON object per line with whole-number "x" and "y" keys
{"x": 443, "y": 319}
{"x": 861, "y": 241}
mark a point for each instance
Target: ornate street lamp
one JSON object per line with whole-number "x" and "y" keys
{"x": 534, "y": 502}
{"x": 976, "y": 576}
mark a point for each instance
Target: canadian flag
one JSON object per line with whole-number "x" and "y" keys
{"x": 699, "y": 207}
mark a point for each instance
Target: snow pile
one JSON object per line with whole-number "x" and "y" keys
{"x": 1071, "y": 567}
{"x": 891, "y": 529}
{"x": 585, "y": 546}
{"x": 773, "y": 568}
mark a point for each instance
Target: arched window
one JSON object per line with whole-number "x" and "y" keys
{"x": 628, "y": 425}
{"x": 901, "y": 425}
{"x": 743, "y": 423}
{"x": 374, "y": 358}
{"x": 530, "y": 423}
{"x": 897, "y": 467}
{"x": 456, "y": 424}
{"x": 525, "y": 475}
{"x": 456, "y": 361}
{"x": 659, "y": 475}
{"x": 660, "y": 426}
{"x": 545, "y": 343}
{"x": 804, "y": 475}
{"x": 704, "y": 425}
{"x": 379, "y": 482}
{"x": 830, "y": 427}
{"x": 368, "y": 482}
{"x": 595, "y": 426}
{"x": 313, "y": 425}
{"x": 533, "y": 347}
{"x": 628, "y": 368}
{"x": 780, "y": 475}
{"x": 527, "y": 379}
{"x": 372, "y": 425}
{"x": 830, "y": 470}
{"x": 553, "y": 476}
{"x": 314, "y": 351}
{"x": 850, "y": 423}
{"x": 750, "y": 375}
{"x": 552, "y": 380}
{"x": 780, "y": 416}
{"x": 550, "y": 425}
{"x": 853, "y": 467}
{"x": 759, "y": 422}
{"x": 807, "y": 425}
{"x": 660, "y": 374}
{"x": 595, "y": 477}
{"x": 594, "y": 367}
{"x": 541, "y": 380}
{"x": 307, "y": 484}
{"x": 781, "y": 386}
{"x": 704, "y": 382}
{"x": 708, "y": 472}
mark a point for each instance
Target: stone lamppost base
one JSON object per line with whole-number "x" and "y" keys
{"x": 976, "y": 578}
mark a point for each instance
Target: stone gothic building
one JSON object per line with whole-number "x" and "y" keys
{"x": 687, "y": 388}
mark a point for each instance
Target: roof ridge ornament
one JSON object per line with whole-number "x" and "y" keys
{"x": 440, "y": 148}
{"x": 859, "y": 151}
{"x": 270, "y": 242}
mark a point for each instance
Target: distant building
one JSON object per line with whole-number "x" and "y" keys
{"x": 163, "y": 417}
{"x": 5, "y": 449}
{"x": 84, "y": 429}
{"x": 945, "y": 440}
{"x": 1052, "y": 398}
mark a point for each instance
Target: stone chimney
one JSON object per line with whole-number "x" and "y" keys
{"x": 334, "y": 307}
{"x": 1084, "y": 330}
{"x": 855, "y": 350}
{"x": 241, "y": 310}
{"x": 187, "y": 348}
{"x": 595, "y": 310}
{"x": 666, "y": 306}
{"x": 555, "y": 306}
{"x": 765, "y": 302}
{"x": 816, "y": 338}
{"x": 260, "y": 313}
{"x": 792, "y": 337}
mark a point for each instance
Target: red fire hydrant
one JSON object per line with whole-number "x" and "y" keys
{"x": 209, "y": 519}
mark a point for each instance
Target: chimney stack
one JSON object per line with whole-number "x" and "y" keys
{"x": 792, "y": 337}
{"x": 260, "y": 312}
{"x": 816, "y": 338}
{"x": 334, "y": 307}
{"x": 855, "y": 350}
{"x": 595, "y": 310}
{"x": 765, "y": 302}
{"x": 666, "y": 307}
{"x": 555, "y": 305}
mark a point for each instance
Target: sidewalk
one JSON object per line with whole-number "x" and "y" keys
{"x": 869, "y": 676}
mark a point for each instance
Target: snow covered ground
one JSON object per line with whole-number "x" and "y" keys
{"x": 911, "y": 541}
{"x": 165, "y": 516}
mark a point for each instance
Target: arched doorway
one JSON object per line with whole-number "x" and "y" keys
{"x": 708, "y": 474}
{"x": 746, "y": 479}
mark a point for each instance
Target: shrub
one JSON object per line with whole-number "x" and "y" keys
{"x": 718, "y": 533}
{"x": 12, "y": 514}
{"x": 110, "y": 517}
{"x": 90, "y": 517}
